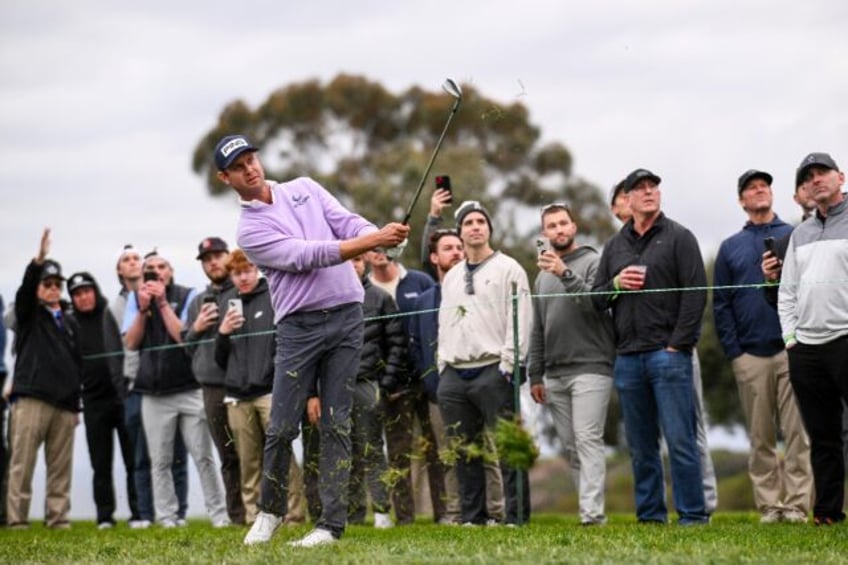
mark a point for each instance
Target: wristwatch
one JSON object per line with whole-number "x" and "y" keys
{"x": 567, "y": 273}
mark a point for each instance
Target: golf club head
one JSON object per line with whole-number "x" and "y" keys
{"x": 452, "y": 88}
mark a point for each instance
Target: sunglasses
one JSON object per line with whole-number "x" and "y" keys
{"x": 555, "y": 206}
{"x": 469, "y": 282}
{"x": 52, "y": 283}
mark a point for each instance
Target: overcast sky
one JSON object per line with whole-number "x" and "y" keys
{"x": 102, "y": 103}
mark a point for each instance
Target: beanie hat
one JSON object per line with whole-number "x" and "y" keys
{"x": 466, "y": 208}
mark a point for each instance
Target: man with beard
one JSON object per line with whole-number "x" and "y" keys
{"x": 172, "y": 402}
{"x": 104, "y": 391}
{"x": 203, "y": 319}
{"x": 571, "y": 356}
{"x": 128, "y": 269}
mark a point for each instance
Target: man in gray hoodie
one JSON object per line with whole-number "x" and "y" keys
{"x": 571, "y": 355}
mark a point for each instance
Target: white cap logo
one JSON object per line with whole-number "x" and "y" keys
{"x": 232, "y": 146}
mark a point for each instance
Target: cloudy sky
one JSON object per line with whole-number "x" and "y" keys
{"x": 101, "y": 103}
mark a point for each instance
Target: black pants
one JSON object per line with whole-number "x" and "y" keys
{"x": 468, "y": 408}
{"x": 102, "y": 421}
{"x": 819, "y": 375}
{"x": 222, "y": 437}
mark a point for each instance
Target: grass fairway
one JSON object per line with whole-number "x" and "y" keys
{"x": 731, "y": 538}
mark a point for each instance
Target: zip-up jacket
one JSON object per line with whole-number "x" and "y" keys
{"x": 48, "y": 362}
{"x": 813, "y": 295}
{"x": 247, "y": 355}
{"x": 745, "y": 321}
{"x": 164, "y": 369}
{"x": 647, "y": 321}
{"x": 383, "y": 357}
{"x": 424, "y": 339}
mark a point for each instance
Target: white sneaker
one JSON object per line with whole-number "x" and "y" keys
{"x": 181, "y": 523}
{"x": 263, "y": 528}
{"x": 771, "y": 516}
{"x": 139, "y": 524}
{"x": 105, "y": 526}
{"x": 382, "y": 521}
{"x": 318, "y": 536}
{"x": 168, "y": 523}
{"x": 223, "y": 523}
{"x": 794, "y": 516}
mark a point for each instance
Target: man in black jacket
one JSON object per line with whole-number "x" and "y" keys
{"x": 45, "y": 395}
{"x": 103, "y": 393}
{"x": 655, "y": 334}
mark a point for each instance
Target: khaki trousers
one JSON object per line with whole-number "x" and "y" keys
{"x": 768, "y": 402}
{"x": 34, "y": 422}
{"x": 248, "y": 420}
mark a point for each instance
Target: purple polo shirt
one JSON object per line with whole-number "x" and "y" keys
{"x": 295, "y": 242}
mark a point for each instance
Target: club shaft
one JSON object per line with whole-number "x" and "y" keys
{"x": 430, "y": 164}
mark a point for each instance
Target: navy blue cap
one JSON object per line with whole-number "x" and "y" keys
{"x": 229, "y": 148}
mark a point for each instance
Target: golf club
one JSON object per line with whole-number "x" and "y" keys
{"x": 452, "y": 88}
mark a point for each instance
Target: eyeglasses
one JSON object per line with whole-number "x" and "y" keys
{"x": 555, "y": 206}
{"x": 52, "y": 283}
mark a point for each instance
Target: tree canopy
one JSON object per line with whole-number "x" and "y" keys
{"x": 369, "y": 147}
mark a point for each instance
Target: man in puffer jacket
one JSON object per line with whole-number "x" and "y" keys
{"x": 244, "y": 348}
{"x": 383, "y": 359}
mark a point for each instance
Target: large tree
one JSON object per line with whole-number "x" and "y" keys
{"x": 369, "y": 147}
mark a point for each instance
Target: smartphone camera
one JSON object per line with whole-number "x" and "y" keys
{"x": 543, "y": 244}
{"x": 444, "y": 182}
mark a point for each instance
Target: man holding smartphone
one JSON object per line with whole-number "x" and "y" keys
{"x": 749, "y": 331}
{"x": 571, "y": 355}
{"x": 171, "y": 399}
{"x": 204, "y": 317}
{"x": 302, "y": 238}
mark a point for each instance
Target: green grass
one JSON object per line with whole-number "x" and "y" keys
{"x": 731, "y": 538}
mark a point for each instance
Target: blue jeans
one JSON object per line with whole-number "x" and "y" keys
{"x": 141, "y": 471}
{"x": 317, "y": 352}
{"x": 656, "y": 393}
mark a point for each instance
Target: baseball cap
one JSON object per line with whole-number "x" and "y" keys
{"x": 51, "y": 269}
{"x": 80, "y": 280}
{"x": 813, "y": 160}
{"x": 615, "y": 191}
{"x": 637, "y": 175}
{"x": 210, "y": 245}
{"x": 750, "y": 175}
{"x": 229, "y": 148}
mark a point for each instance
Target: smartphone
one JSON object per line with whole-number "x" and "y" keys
{"x": 769, "y": 243}
{"x": 543, "y": 244}
{"x": 235, "y": 304}
{"x": 444, "y": 182}
{"x": 150, "y": 276}
{"x": 210, "y": 299}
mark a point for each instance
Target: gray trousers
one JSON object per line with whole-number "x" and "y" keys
{"x": 162, "y": 417}
{"x": 316, "y": 351}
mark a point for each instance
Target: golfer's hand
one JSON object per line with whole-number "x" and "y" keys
{"x": 392, "y": 235}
